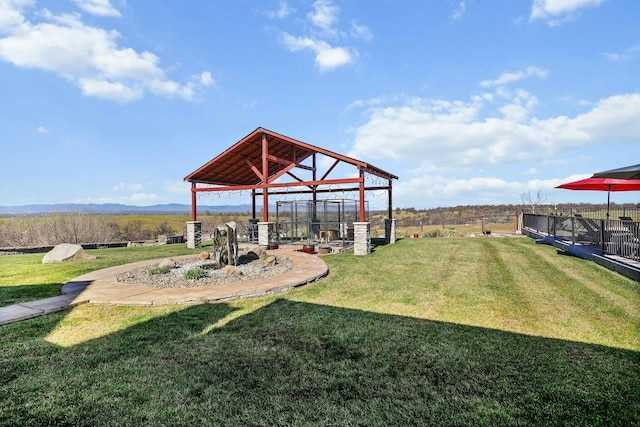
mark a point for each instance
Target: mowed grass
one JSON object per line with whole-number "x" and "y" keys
{"x": 25, "y": 278}
{"x": 450, "y": 332}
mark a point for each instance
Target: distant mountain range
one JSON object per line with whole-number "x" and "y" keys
{"x": 115, "y": 208}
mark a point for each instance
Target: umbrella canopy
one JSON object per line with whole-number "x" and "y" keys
{"x": 603, "y": 184}
{"x": 629, "y": 172}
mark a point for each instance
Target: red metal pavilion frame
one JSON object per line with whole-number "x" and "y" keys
{"x": 263, "y": 157}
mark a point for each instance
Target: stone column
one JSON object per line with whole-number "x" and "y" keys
{"x": 194, "y": 234}
{"x": 390, "y": 230}
{"x": 264, "y": 231}
{"x": 362, "y": 238}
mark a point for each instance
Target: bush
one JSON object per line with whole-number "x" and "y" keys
{"x": 434, "y": 232}
{"x": 159, "y": 270}
{"x": 196, "y": 273}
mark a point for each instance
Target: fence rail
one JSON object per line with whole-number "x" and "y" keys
{"x": 612, "y": 237}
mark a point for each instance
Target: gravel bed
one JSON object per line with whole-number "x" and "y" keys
{"x": 257, "y": 269}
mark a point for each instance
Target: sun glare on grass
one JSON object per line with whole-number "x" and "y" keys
{"x": 86, "y": 323}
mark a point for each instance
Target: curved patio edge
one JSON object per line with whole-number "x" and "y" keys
{"x": 102, "y": 287}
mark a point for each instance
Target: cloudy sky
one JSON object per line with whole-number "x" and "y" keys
{"x": 468, "y": 102}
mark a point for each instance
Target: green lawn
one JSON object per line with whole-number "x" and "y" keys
{"x": 456, "y": 332}
{"x": 25, "y": 278}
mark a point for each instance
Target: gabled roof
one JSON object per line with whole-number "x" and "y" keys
{"x": 239, "y": 163}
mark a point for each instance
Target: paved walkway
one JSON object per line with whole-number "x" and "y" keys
{"x": 101, "y": 287}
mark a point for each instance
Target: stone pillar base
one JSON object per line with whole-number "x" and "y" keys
{"x": 264, "y": 232}
{"x": 194, "y": 234}
{"x": 362, "y": 238}
{"x": 390, "y": 230}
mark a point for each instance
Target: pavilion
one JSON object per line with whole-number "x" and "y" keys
{"x": 264, "y": 162}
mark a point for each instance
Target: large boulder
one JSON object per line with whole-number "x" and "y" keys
{"x": 65, "y": 252}
{"x": 167, "y": 263}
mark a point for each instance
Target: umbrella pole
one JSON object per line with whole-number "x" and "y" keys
{"x": 608, "y": 201}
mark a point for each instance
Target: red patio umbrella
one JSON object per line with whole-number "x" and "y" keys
{"x": 603, "y": 184}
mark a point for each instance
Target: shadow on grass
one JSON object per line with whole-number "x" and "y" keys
{"x": 22, "y": 293}
{"x": 292, "y": 363}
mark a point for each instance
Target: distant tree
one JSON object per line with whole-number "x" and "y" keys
{"x": 163, "y": 228}
{"x": 532, "y": 198}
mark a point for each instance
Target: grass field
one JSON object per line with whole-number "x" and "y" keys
{"x": 455, "y": 332}
{"x": 25, "y": 278}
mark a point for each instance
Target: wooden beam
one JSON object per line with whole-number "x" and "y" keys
{"x": 281, "y": 185}
{"x": 255, "y": 170}
{"x": 330, "y": 169}
{"x": 295, "y": 177}
{"x": 326, "y": 190}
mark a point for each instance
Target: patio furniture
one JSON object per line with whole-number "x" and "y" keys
{"x": 591, "y": 227}
{"x": 633, "y": 243}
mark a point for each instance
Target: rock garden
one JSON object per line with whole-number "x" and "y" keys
{"x": 202, "y": 270}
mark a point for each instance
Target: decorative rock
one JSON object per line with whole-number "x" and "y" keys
{"x": 231, "y": 270}
{"x": 204, "y": 256}
{"x": 254, "y": 250}
{"x": 65, "y": 252}
{"x": 167, "y": 262}
{"x": 225, "y": 244}
{"x": 270, "y": 261}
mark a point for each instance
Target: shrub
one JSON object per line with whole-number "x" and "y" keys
{"x": 434, "y": 232}
{"x": 195, "y": 273}
{"x": 159, "y": 270}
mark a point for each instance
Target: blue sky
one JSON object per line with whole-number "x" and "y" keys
{"x": 468, "y": 102}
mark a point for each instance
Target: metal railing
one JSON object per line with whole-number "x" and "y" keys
{"x": 612, "y": 237}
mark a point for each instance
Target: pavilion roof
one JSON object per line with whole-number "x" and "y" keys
{"x": 238, "y": 165}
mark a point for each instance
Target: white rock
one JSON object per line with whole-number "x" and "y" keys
{"x": 65, "y": 252}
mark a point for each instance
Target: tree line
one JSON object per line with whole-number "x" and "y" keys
{"x": 75, "y": 227}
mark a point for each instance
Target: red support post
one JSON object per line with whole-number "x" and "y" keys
{"x": 361, "y": 216}
{"x": 265, "y": 180}
{"x": 194, "y": 216}
{"x": 391, "y": 200}
{"x": 253, "y": 203}
{"x": 314, "y": 189}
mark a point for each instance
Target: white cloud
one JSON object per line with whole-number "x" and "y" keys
{"x": 325, "y": 16}
{"x": 626, "y": 55}
{"x": 136, "y": 199}
{"x": 11, "y": 12}
{"x": 206, "y": 79}
{"x": 360, "y": 31}
{"x": 112, "y": 91}
{"x": 460, "y": 10}
{"x": 87, "y": 56}
{"x": 144, "y": 198}
{"x": 42, "y": 130}
{"x": 251, "y": 104}
{"x": 181, "y": 188}
{"x": 124, "y": 186}
{"x": 97, "y": 7}
{"x": 327, "y": 56}
{"x": 511, "y": 77}
{"x": 454, "y": 134}
{"x": 283, "y": 11}
{"x": 555, "y": 12}
{"x": 324, "y": 25}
